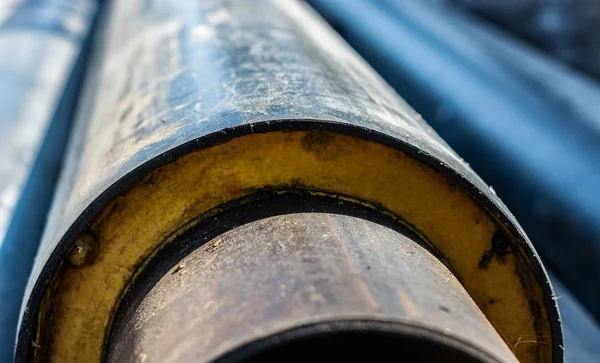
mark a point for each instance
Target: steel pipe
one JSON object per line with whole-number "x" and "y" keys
{"x": 194, "y": 109}
{"x": 302, "y": 286}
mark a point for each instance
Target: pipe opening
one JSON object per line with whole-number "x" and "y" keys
{"x": 344, "y": 344}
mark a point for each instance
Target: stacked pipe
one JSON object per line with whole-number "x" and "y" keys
{"x": 241, "y": 186}
{"x": 565, "y": 29}
{"x": 41, "y": 44}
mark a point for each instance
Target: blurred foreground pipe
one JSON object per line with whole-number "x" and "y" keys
{"x": 528, "y": 125}
{"x": 41, "y": 47}
{"x": 206, "y": 116}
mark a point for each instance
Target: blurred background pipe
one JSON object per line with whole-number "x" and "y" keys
{"x": 581, "y": 332}
{"x": 41, "y": 43}
{"x": 565, "y": 29}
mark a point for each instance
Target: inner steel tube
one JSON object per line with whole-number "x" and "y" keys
{"x": 301, "y": 286}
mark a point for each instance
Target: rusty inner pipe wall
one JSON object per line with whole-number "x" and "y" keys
{"x": 192, "y": 109}
{"x": 304, "y": 286}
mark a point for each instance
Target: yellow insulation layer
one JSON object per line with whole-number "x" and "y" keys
{"x": 76, "y": 310}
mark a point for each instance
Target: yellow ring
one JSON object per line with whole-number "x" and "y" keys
{"x": 78, "y": 305}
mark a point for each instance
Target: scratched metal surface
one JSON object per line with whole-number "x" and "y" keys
{"x": 323, "y": 269}
{"x": 172, "y": 76}
{"x": 40, "y": 47}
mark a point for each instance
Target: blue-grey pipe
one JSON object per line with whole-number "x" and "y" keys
{"x": 581, "y": 332}
{"x": 42, "y": 45}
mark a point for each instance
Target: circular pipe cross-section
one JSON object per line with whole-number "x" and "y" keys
{"x": 308, "y": 286}
{"x": 191, "y": 107}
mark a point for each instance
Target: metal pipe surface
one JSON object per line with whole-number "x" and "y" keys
{"x": 193, "y": 109}
{"x": 305, "y": 286}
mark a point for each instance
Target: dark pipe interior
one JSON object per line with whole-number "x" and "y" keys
{"x": 348, "y": 345}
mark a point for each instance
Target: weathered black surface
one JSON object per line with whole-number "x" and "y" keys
{"x": 272, "y": 288}
{"x": 172, "y": 77}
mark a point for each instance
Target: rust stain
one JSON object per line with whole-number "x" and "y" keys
{"x": 363, "y": 284}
